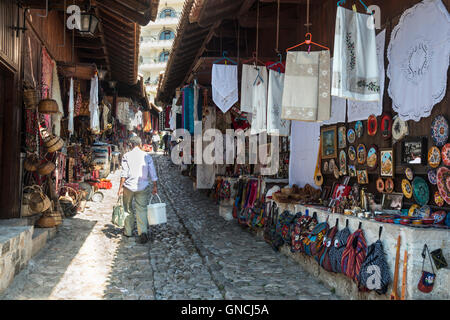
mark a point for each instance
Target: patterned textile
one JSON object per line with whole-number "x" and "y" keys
{"x": 355, "y": 65}
{"x": 78, "y": 101}
{"x": 47, "y": 81}
{"x": 31, "y": 130}
{"x": 336, "y": 251}
{"x": 306, "y": 95}
{"x": 147, "y": 122}
{"x": 354, "y": 256}
{"x": 375, "y": 262}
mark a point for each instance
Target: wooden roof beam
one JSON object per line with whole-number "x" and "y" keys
{"x": 126, "y": 12}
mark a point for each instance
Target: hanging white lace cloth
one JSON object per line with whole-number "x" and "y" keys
{"x": 306, "y": 94}
{"x": 56, "y": 95}
{"x": 355, "y": 67}
{"x": 71, "y": 107}
{"x": 93, "y": 105}
{"x": 224, "y": 84}
{"x": 259, "y": 101}
{"x": 418, "y": 57}
{"x": 276, "y": 125}
{"x": 361, "y": 110}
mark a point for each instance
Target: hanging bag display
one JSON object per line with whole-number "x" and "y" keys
{"x": 315, "y": 238}
{"x": 300, "y": 231}
{"x": 426, "y": 282}
{"x": 374, "y": 273}
{"x": 328, "y": 240}
{"x": 354, "y": 254}
{"x": 336, "y": 251}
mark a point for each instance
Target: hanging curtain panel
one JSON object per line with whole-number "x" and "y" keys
{"x": 306, "y": 95}
{"x": 355, "y": 67}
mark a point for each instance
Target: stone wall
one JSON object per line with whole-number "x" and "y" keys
{"x": 412, "y": 239}
{"x": 15, "y": 252}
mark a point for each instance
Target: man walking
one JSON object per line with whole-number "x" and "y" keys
{"x": 155, "y": 141}
{"x": 137, "y": 172}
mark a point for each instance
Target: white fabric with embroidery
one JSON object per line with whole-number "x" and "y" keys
{"x": 224, "y": 84}
{"x": 56, "y": 95}
{"x": 259, "y": 101}
{"x": 276, "y": 125}
{"x": 418, "y": 55}
{"x": 355, "y": 68}
{"x": 338, "y": 108}
{"x": 306, "y": 93}
{"x": 93, "y": 105}
{"x": 249, "y": 75}
{"x": 361, "y": 110}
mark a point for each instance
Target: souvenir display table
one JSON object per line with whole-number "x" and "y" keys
{"x": 412, "y": 240}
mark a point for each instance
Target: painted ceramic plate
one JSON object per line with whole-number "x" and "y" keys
{"x": 425, "y": 212}
{"x": 343, "y": 163}
{"x": 372, "y": 158}
{"x": 372, "y": 125}
{"x": 352, "y": 153}
{"x": 446, "y": 154}
{"x": 409, "y": 174}
{"x": 432, "y": 176}
{"x": 434, "y": 157}
{"x": 443, "y": 178}
{"x": 362, "y": 154}
{"x": 399, "y": 129}
{"x": 389, "y": 185}
{"x": 421, "y": 191}
{"x": 440, "y": 130}
{"x": 342, "y": 137}
{"x": 439, "y": 217}
{"x": 438, "y": 199}
{"x": 380, "y": 185}
{"x": 351, "y": 136}
{"x": 412, "y": 210}
{"x": 359, "y": 129}
{"x": 407, "y": 188}
{"x": 386, "y": 127}
{"x": 325, "y": 166}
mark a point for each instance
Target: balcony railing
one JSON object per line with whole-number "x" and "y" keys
{"x": 150, "y": 43}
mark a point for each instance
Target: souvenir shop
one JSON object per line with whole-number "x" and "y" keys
{"x": 76, "y": 119}
{"x": 360, "y": 108}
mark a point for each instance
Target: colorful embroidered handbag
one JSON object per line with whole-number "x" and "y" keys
{"x": 354, "y": 254}
{"x": 328, "y": 241}
{"x": 426, "y": 282}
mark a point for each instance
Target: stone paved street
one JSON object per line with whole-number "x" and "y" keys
{"x": 197, "y": 255}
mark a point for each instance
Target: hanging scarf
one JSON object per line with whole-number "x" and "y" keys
{"x": 46, "y": 80}
{"x": 70, "y": 108}
{"x": 93, "y": 105}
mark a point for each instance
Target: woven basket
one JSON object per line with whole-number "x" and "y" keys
{"x": 30, "y": 98}
{"x": 48, "y": 106}
{"x": 31, "y": 163}
{"x": 50, "y": 220}
{"x": 46, "y": 168}
{"x": 38, "y": 201}
{"x": 53, "y": 143}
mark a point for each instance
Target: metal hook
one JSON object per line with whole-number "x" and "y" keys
{"x": 46, "y": 10}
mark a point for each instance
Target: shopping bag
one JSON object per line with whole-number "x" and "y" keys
{"x": 118, "y": 216}
{"x": 156, "y": 212}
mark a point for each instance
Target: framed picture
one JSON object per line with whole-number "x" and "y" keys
{"x": 363, "y": 177}
{"x": 387, "y": 162}
{"x": 342, "y": 137}
{"x": 414, "y": 151}
{"x": 329, "y": 142}
{"x": 392, "y": 201}
{"x": 351, "y": 170}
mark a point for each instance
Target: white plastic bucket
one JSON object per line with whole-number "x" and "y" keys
{"x": 156, "y": 212}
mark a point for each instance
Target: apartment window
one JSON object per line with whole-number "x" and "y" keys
{"x": 164, "y": 56}
{"x": 166, "y": 35}
{"x": 167, "y": 13}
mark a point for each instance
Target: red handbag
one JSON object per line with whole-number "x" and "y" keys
{"x": 426, "y": 282}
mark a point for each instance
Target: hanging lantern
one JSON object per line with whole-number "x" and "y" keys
{"x": 89, "y": 24}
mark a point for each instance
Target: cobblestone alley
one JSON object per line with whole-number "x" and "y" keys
{"x": 197, "y": 255}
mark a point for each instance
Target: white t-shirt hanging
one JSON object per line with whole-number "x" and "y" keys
{"x": 361, "y": 110}
{"x": 418, "y": 55}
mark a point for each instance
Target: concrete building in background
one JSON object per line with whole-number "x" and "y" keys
{"x": 156, "y": 41}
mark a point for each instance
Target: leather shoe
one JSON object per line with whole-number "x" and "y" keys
{"x": 143, "y": 239}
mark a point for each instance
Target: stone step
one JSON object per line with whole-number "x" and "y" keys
{"x": 40, "y": 238}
